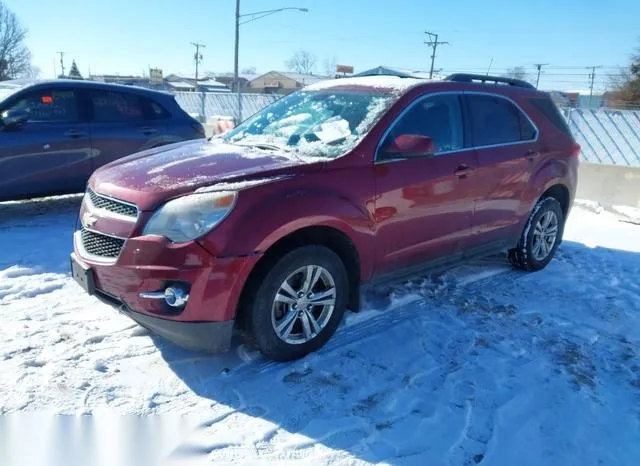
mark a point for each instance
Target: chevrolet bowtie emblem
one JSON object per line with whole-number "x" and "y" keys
{"x": 88, "y": 220}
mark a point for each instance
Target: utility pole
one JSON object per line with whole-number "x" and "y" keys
{"x": 61, "y": 63}
{"x": 197, "y": 57}
{"x": 592, "y": 78}
{"x": 539, "y": 67}
{"x": 433, "y": 43}
{"x": 490, "y": 65}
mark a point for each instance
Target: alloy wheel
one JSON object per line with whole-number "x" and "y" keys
{"x": 303, "y": 304}
{"x": 545, "y": 235}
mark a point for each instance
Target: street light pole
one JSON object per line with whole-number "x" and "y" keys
{"x": 236, "y": 82}
{"x": 256, "y": 15}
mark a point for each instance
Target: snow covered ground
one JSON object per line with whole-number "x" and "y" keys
{"x": 480, "y": 365}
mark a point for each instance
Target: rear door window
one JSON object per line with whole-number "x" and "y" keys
{"x": 116, "y": 107}
{"x": 495, "y": 121}
{"x": 49, "y": 106}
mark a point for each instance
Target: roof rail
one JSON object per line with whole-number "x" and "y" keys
{"x": 468, "y": 78}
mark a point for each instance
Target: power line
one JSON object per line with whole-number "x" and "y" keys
{"x": 198, "y": 57}
{"x": 61, "y": 62}
{"x": 539, "y": 67}
{"x": 433, "y": 43}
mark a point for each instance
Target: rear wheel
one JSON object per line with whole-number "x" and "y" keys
{"x": 541, "y": 236}
{"x": 299, "y": 303}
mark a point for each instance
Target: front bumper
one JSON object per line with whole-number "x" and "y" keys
{"x": 214, "y": 337}
{"x": 150, "y": 264}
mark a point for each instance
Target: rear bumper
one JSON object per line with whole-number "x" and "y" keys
{"x": 213, "y": 337}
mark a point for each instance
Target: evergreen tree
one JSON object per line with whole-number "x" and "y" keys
{"x": 74, "y": 73}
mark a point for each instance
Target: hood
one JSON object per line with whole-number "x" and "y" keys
{"x": 150, "y": 177}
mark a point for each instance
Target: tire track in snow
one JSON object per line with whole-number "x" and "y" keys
{"x": 373, "y": 322}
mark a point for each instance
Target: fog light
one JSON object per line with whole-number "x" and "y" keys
{"x": 175, "y": 296}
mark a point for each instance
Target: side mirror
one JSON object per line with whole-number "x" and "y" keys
{"x": 12, "y": 119}
{"x": 411, "y": 145}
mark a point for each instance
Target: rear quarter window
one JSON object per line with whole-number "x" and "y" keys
{"x": 551, "y": 113}
{"x": 156, "y": 111}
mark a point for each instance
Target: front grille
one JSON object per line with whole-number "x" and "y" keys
{"x": 101, "y": 245}
{"x": 112, "y": 205}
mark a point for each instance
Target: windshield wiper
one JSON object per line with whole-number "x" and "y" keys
{"x": 263, "y": 145}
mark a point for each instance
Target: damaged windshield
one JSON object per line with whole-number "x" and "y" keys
{"x": 323, "y": 123}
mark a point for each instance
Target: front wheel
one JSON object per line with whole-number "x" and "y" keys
{"x": 299, "y": 303}
{"x": 541, "y": 236}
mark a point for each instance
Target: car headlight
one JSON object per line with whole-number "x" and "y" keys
{"x": 190, "y": 217}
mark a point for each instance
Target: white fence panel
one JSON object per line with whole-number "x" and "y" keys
{"x": 607, "y": 136}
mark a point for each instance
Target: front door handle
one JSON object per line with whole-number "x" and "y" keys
{"x": 463, "y": 171}
{"x": 75, "y": 133}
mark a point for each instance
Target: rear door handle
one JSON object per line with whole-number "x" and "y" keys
{"x": 75, "y": 133}
{"x": 463, "y": 171}
{"x": 147, "y": 130}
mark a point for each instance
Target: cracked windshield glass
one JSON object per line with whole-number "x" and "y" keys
{"x": 317, "y": 123}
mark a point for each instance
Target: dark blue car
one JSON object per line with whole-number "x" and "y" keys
{"x": 54, "y": 134}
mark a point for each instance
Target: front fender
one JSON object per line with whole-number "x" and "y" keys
{"x": 270, "y": 218}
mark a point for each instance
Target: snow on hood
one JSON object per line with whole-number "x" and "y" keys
{"x": 239, "y": 185}
{"x": 151, "y": 176}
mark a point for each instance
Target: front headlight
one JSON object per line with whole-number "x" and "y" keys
{"x": 190, "y": 217}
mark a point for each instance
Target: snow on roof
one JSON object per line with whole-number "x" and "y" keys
{"x": 394, "y": 70}
{"x": 210, "y": 82}
{"x": 180, "y": 84}
{"x": 377, "y": 82}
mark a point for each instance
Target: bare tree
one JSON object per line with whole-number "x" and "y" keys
{"x": 249, "y": 70}
{"x": 302, "y": 61}
{"x": 330, "y": 66}
{"x": 15, "y": 58}
{"x": 517, "y": 72}
{"x": 33, "y": 72}
{"x": 626, "y": 85}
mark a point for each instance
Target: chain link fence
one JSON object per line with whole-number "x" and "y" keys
{"x": 607, "y": 136}
{"x": 215, "y": 104}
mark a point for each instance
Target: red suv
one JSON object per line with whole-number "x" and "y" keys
{"x": 272, "y": 228}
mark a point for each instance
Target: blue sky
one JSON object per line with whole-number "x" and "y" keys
{"x": 128, "y": 36}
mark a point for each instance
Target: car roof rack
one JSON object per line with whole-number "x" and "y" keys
{"x": 468, "y": 78}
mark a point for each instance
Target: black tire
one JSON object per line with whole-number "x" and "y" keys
{"x": 523, "y": 256}
{"x": 259, "y": 311}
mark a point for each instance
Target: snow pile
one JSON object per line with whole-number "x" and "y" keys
{"x": 480, "y": 365}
